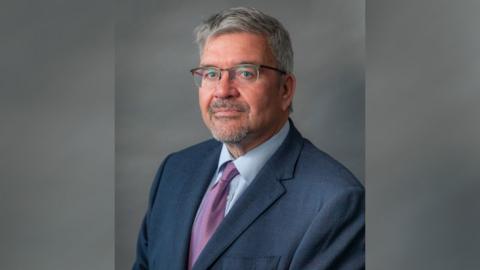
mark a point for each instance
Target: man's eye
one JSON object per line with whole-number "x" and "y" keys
{"x": 210, "y": 74}
{"x": 246, "y": 74}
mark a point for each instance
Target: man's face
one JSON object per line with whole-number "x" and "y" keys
{"x": 241, "y": 114}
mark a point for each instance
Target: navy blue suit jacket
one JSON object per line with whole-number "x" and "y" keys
{"x": 304, "y": 210}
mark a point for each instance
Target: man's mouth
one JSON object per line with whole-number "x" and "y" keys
{"x": 226, "y": 112}
{"x": 221, "y": 108}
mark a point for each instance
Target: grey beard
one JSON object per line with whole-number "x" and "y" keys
{"x": 220, "y": 135}
{"x": 235, "y": 138}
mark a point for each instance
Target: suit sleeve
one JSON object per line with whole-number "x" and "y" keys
{"x": 336, "y": 237}
{"x": 141, "y": 261}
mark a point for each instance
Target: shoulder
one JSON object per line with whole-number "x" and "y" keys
{"x": 180, "y": 164}
{"x": 324, "y": 171}
{"x": 197, "y": 152}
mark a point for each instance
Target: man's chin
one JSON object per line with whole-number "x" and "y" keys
{"x": 229, "y": 136}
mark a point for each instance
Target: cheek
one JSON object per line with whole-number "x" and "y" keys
{"x": 260, "y": 104}
{"x": 203, "y": 101}
{"x": 266, "y": 99}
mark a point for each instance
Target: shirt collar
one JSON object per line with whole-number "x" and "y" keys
{"x": 250, "y": 164}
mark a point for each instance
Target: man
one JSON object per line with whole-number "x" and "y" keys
{"x": 259, "y": 196}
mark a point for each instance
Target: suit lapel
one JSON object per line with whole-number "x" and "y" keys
{"x": 192, "y": 194}
{"x": 265, "y": 189}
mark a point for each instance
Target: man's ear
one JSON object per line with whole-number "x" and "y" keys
{"x": 288, "y": 91}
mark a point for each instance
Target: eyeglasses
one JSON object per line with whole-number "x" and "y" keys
{"x": 246, "y": 74}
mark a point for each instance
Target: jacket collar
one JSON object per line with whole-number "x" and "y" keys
{"x": 265, "y": 189}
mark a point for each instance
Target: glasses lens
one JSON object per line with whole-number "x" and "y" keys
{"x": 208, "y": 77}
{"x": 246, "y": 74}
{"x": 205, "y": 77}
{"x": 197, "y": 77}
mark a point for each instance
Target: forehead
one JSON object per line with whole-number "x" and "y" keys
{"x": 229, "y": 49}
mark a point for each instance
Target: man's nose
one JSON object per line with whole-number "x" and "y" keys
{"x": 225, "y": 87}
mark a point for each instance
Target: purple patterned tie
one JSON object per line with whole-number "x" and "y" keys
{"x": 211, "y": 213}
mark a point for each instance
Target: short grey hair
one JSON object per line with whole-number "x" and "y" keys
{"x": 250, "y": 20}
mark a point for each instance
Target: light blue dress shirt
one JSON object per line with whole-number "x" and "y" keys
{"x": 248, "y": 165}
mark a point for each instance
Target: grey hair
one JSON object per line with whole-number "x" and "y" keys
{"x": 250, "y": 20}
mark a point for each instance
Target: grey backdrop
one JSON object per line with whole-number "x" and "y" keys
{"x": 423, "y": 133}
{"x": 56, "y": 135}
{"x": 57, "y": 114}
{"x": 156, "y": 102}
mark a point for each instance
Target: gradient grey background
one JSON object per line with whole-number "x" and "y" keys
{"x": 56, "y": 135}
{"x": 422, "y": 135}
{"x": 156, "y": 101}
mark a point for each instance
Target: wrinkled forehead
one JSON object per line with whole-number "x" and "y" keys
{"x": 235, "y": 48}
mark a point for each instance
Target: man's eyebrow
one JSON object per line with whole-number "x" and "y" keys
{"x": 207, "y": 65}
{"x": 237, "y": 64}
{"x": 247, "y": 63}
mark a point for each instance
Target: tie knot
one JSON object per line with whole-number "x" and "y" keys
{"x": 229, "y": 172}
